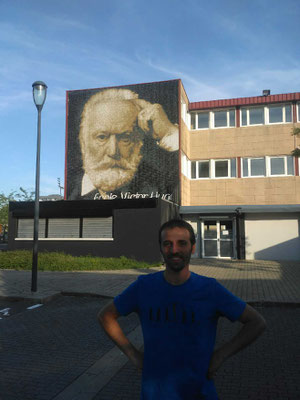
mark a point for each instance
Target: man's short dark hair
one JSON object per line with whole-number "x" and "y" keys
{"x": 178, "y": 223}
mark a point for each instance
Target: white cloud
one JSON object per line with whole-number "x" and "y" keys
{"x": 251, "y": 81}
{"x": 12, "y": 35}
{"x": 194, "y": 86}
{"x": 67, "y": 23}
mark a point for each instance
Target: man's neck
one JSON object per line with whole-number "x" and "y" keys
{"x": 177, "y": 277}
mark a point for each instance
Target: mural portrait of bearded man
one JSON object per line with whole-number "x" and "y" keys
{"x": 117, "y": 133}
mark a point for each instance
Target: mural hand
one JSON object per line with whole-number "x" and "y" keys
{"x": 153, "y": 116}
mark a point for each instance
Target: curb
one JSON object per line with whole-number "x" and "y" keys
{"x": 46, "y": 299}
{"x": 86, "y": 294}
{"x": 42, "y": 300}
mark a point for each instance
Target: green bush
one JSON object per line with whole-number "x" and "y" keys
{"x": 56, "y": 261}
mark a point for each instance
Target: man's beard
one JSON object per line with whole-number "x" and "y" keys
{"x": 109, "y": 175}
{"x": 177, "y": 265}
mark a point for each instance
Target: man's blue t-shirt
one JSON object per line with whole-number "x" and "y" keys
{"x": 179, "y": 327}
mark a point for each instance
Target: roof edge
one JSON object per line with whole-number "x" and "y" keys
{"x": 243, "y": 101}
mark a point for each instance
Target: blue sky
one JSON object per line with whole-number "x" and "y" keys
{"x": 219, "y": 48}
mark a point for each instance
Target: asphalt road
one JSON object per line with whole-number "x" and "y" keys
{"x": 44, "y": 349}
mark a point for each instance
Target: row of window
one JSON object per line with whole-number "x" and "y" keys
{"x": 271, "y": 114}
{"x": 67, "y": 228}
{"x": 213, "y": 119}
{"x": 213, "y": 169}
{"x": 227, "y": 168}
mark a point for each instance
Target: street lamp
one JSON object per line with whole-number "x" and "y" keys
{"x": 39, "y": 96}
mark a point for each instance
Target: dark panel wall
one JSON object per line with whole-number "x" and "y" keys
{"x": 136, "y": 233}
{"x": 135, "y": 229}
{"x": 168, "y": 211}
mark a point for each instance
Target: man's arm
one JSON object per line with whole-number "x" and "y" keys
{"x": 107, "y": 318}
{"x": 254, "y": 325}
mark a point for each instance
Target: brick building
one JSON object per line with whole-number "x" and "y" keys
{"x": 240, "y": 185}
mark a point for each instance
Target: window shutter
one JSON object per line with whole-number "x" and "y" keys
{"x": 63, "y": 227}
{"x": 25, "y": 228}
{"x": 97, "y": 227}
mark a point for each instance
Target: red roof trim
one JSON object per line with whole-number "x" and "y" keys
{"x": 243, "y": 101}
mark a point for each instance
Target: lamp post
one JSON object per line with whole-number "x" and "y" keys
{"x": 39, "y": 96}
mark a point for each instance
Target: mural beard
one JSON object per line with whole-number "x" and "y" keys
{"x": 109, "y": 175}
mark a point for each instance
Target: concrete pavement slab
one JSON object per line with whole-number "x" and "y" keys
{"x": 254, "y": 281}
{"x": 17, "y": 284}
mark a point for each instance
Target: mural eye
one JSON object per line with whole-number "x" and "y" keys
{"x": 102, "y": 137}
{"x": 125, "y": 138}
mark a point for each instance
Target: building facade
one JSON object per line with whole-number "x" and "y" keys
{"x": 240, "y": 185}
{"x": 230, "y": 167}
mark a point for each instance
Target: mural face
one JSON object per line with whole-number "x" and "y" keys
{"x": 123, "y": 142}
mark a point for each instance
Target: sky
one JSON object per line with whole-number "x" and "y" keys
{"x": 218, "y": 48}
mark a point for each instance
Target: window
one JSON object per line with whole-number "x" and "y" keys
{"x": 224, "y": 119}
{"x": 254, "y": 167}
{"x": 67, "y": 228}
{"x": 184, "y": 114}
{"x": 253, "y": 116}
{"x": 206, "y": 169}
{"x": 193, "y": 121}
{"x": 256, "y": 116}
{"x": 63, "y": 228}
{"x": 213, "y": 119}
{"x": 200, "y": 120}
{"x": 25, "y": 228}
{"x": 193, "y": 169}
{"x": 97, "y": 227}
{"x": 271, "y": 114}
{"x": 233, "y": 167}
{"x": 203, "y": 120}
{"x": 281, "y": 165}
{"x": 203, "y": 169}
{"x": 222, "y": 169}
{"x": 280, "y": 113}
{"x": 268, "y": 166}
{"x": 184, "y": 164}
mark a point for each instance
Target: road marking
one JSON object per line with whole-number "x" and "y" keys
{"x": 99, "y": 374}
{"x": 35, "y": 306}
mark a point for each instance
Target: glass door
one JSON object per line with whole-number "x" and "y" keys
{"x": 217, "y": 239}
{"x": 209, "y": 234}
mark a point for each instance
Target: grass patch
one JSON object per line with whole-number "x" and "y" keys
{"x": 57, "y": 261}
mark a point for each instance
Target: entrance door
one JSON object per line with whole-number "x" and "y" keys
{"x": 217, "y": 239}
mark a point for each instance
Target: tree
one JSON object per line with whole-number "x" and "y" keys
{"x": 296, "y": 151}
{"x": 20, "y": 195}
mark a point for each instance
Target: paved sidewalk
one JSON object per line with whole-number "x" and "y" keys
{"x": 254, "y": 281}
{"x": 263, "y": 283}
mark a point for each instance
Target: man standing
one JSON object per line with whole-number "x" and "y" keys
{"x": 115, "y": 123}
{"x": 179, "y": 310}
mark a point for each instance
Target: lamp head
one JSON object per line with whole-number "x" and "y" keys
{"x": 39, "y": 93}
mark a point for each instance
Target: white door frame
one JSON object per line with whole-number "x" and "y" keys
{"x": 218, "y": 238}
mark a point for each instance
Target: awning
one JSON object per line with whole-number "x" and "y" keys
{"x": 272, "y": 208}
